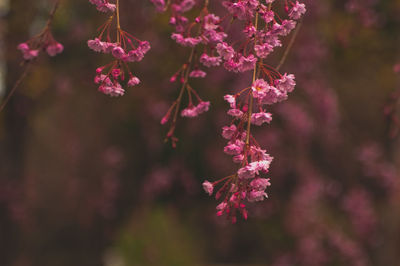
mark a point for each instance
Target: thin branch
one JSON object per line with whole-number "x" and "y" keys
{"x": 290, "y": 44}
{"x": 52, "y": 12}
{"x": 16, "y": 84}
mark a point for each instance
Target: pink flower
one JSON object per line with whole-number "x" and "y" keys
{"x": 235, "y": 112}
{"x": 283, "y": 29}
{"x": 193, "y": 111}
{"x": 202, "y": 107}
{"x": 260, "y": 87}
{"x": 256, "y": 195}
{"x": 258, "y": 154}
{"x": 250, "y": 31}
{"x": 273, "y": 96}
{"x": 260, "y": 118}
{"x": 117, "y": 90}
{"x": 238, "y": 158}
{"x": 223, "y": 206}
{"x": 286, "y": 83}
{"x": 133, "y": 81}
{"x": 288, "y": 26}
{"x": 272, "y": 40}
{"x": 247, "y": 63}
{"x": 246, "y": 172}
{"x": 144, "y": 47}
{"x": 54, "y": 49}
{"x": 118, "y": 52}
{"x": 113, "y": 90}
{"x": 106, "y": 7}
{"x": 116, "y": 72}
{"x": 268, "y": 16}
{"x": 228, "y": 132}
{"x": 213, "y": 36}
{"x": 96, "y": 2}
{"x": 297, "y": 10}
{"x": 211, "y": 21}
{"x": 27, "y": 53}
{"x": 231, "y": 100}
{"x": 197, "y": 74}
{"x": 102, "y": 79}
{"x": 189, "y": 41}
{"x": 263, "y": 50}
{"x": 233, "y": 148}
{"x": 96, "y": 45}
{"x": 262, "y": 166}
{"x": 210, "y": 61}
{"x": 260, "y": 184}
{"x": 30, "y": 54}
{"x": 23, "y": 47}
{"x": 232, "y": 65}
{"x": 225, "y": 51}
{"x": 189, "y": 112}
{"x": 134, "y": 56}
{"x": 109, "y": 46}
{"x": 208, "y": 187}
{"x": 237, "y": 9}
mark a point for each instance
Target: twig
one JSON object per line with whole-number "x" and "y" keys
{"x": 16, "y": 84}
{"x": 290, "y": 44}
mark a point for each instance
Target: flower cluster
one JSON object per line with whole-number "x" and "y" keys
{"x": 247, "y": 184}
{"x": 44, "y": 41}
{"x": 207, "y": 32}
{"x": 262, "y": 30}
{"x": 126, "y": 48}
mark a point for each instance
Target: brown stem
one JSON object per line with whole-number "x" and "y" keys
{"x": 251, "y": 94}
{"x": 185, "y": 80}
{"x": 16, "y": 84}
{"x": 182, "y": 90}
{"x": 118, "y": 24}
{"x": 52, "y": 12}
{"x": 290, "y": 44}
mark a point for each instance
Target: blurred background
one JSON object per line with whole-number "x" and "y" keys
{"x": 86, "y": 179}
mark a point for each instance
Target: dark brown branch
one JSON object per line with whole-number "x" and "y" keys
{"x": 16, "y": 84}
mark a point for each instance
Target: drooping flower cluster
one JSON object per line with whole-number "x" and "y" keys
{"x": 247, "y": 183}
{"x": 207, "y": 32}
{"x": 262, "y": 29}
{"x": 44, "y": 41}
{"x": 30, "y": 49}
{"x": 126, "y": 48}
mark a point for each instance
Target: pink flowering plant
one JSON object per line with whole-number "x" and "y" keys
{"x": 239, "y": 39}
{"x": 212, "y": 42}
{"x": 78, "y": 169}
